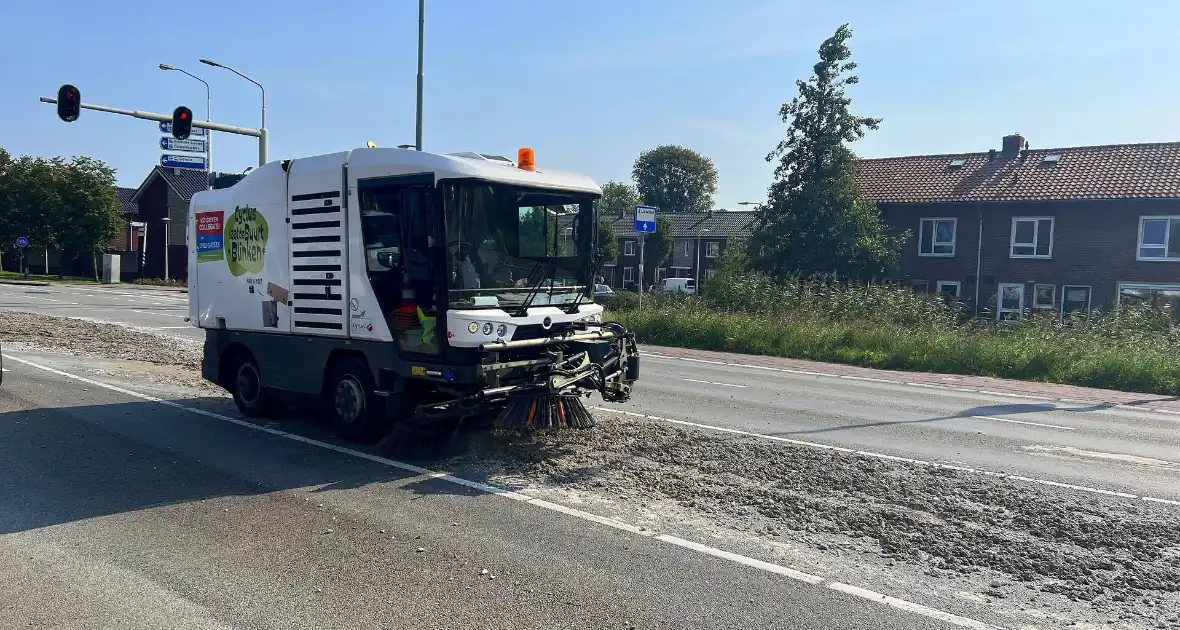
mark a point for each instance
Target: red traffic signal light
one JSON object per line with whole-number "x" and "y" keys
{"x": 182, "y": 122}
{"x": 69, "y": 103}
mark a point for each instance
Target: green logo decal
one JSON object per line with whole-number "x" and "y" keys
{"x": 245, "y": 240}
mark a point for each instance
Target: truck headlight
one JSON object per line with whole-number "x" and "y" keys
{"x": 487, "y": 328}
{"x": 502, "y": 330}
{"x": 473, "y": 327}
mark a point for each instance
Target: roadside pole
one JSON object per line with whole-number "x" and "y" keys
{"x": 645, "y": 223}
{"x": 165, "y": 118}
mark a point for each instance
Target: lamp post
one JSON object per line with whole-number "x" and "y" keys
{"x": 421, "y": 46}
{"x": 698, "y": 265}
{"x": 208, "y": 115}
{"x": 750, "y": 203}
{"x": 262, "y": 138}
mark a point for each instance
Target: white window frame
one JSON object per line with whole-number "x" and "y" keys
{"x": 628, "y": 274}
{"x": 1038, "y": 305}
{"x": 628, "y": 248}
{"x": 712, "y": 249}
{"x": 934, "y": 237}
{"x": 1000, "y": 310}
{"x": 1036, "y": 221}
{"x": 1089, "y": 296}
{"x": 1118, "y": 298}
{"x": 661, "y": 273}
{"x": 687, "y": 248}
{"x": 1167, "y": 235}
{"x": 949, "y": 283}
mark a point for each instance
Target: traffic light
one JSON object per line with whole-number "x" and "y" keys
{"x": 182, "y": 122}
{"x": 69, "y": 103}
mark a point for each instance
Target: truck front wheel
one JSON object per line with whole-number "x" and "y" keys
{"x": 246, "y": 386}
{"x": 358, "y": 413}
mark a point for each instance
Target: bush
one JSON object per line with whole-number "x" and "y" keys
{"x": 159, "y": 282}
{"x": 1130, "y": 348}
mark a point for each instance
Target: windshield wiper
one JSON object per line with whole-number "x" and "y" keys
{"x": 534, "y": 287}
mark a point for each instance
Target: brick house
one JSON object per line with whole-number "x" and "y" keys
{"x": 165, "y": 193}
{"x": 709, "y": 231}
{"x": 1067, "y": 229}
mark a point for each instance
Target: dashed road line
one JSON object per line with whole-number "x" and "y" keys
{"x": 694, "y": 380}
{"x": 896, "y": 458}
{"x": 1033, "y": 424}
{"x": 777, "y": 569}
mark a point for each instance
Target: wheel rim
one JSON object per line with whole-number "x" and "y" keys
{"x": 350, "y": 400}
{"x": 248, "y": 384}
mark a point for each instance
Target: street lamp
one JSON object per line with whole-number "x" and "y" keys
{"x": 208, "y": 115}
{"x": 421, "y": 40}
{"x": 749, "y": 203}
{"x": 698, "y": 265}
{"x": 262, "y": 138}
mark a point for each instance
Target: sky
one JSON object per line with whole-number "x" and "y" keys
{"x": 587, "y": 84}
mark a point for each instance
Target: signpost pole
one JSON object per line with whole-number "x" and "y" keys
{"x": 645, "y": 223}
{"x": 641, "y": 239}
{"x": 22, "y": 242}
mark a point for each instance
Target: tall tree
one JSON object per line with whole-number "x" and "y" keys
{"x": 91, "y": 216}
{"x": 656, "y": 247}
{"x": 608, "y": 242}
{"x": 675, "y": 179}
{"x": 618, "y": 198}
{"x": 814, "y": 220}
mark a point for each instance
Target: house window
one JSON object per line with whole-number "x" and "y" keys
{"x": 1155, "y": 238}
{"x": 1074, "y": 298}
{"x": 1044, "y": 295}
{"x": 628, "y": 248}
{"x": 1032, "y": 237}
{"x": 948, "y": 288}
{"x": 712, "y": 249}
{"x": 688, "y": 248}
{"x": 1161, "y": 295}
{"x": 661, "y": 273}
{"x": 1010, "y": 303}
{"x": 628, "y": 274}
{"x": 936, "y": 237}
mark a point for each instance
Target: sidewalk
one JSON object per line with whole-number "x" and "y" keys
{"x": 982, "y": 384}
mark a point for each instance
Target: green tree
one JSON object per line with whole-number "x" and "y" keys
{"x": 608, "y": 242}
{"x": 618, "y": 199}
{"x": 814, "y": 220}
{"x": 656, "y": 247}
{"x": 675, "y": 179}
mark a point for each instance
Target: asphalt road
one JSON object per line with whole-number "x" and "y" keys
{"x": 119, "y": 512}
{"x": 1092, "y": 446}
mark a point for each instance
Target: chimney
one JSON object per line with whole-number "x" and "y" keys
{"x": 1012, "y": 145}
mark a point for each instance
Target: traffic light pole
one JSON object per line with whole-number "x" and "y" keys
{"x": 135, "y": 113}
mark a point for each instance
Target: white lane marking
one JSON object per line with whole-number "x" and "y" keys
{"x": 171, "y": 327}
{"x": 1033, "y": 424}
{"x": 957, "y": 388}
{"x": 777, "y": 569}
{"x": 908, "y": 460}
{"x": 1137, "y": 460}
{"x": 157, "y": 313}
{"x": 38, "y": 297}
{"x": 693, "y": 380}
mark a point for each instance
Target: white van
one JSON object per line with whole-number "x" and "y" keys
{"x": 678, "y": 285}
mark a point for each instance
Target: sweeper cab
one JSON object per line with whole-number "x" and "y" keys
{"x": 412, "y": 294}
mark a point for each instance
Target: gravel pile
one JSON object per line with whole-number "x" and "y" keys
{"x": 1090, "y": 549}
{"x": 84, "y": 338}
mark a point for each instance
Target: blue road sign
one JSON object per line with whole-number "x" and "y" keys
{"x": 645, "y": 219}
{"x": 183, "y": 161}
{"x": 166, "y": 127}
{"x": 168, "y": 143}
{"x": 22, "y": 241}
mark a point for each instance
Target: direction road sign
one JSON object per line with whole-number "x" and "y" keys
{"x": 168, "y": 143}
{"x": 183, "y": 161}
{"x": 22, "y": 241}
{"x": 166, "y": 127}
{"x": 645, "y": 219}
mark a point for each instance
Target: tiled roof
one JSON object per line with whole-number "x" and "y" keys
{"x": 185, "y": 181}
{"x": 1117, "y": 171}
{"x": 125, "y": 194}
{"x": 730, "y": 224}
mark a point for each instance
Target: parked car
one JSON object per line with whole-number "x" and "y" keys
{"x": 602, "y": 293}
{"x": 678, "y": 285}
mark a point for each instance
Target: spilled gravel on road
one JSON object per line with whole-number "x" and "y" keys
{"x": 1100, "y": 550}
{"x": 34, "y": 332}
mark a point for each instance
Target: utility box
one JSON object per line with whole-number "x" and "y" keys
{"x": 111, "y": 268}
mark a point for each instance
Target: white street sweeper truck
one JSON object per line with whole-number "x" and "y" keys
{"x": 411, "y": 294}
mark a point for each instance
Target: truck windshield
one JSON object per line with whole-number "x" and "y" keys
{"x": 512, "y": 247}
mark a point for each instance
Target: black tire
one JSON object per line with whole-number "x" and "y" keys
{"x": 357, "y": 413}
{"x": 245, "y": 383}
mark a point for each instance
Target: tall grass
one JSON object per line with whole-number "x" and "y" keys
{"x": 1129, "y": 348}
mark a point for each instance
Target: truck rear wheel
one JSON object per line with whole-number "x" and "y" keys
{"x": 358, "y": 413}
{"x": 249, "y": 395}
